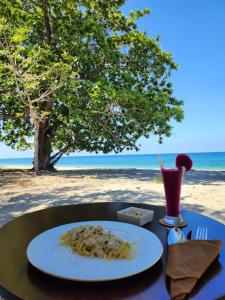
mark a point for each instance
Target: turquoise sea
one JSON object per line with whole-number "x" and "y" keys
{"x": 201, "y": 161}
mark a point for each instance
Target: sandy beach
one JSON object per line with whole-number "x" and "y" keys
{"x": 23, "y": 192}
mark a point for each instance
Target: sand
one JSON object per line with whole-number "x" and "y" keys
{"x": 23, "y": 192}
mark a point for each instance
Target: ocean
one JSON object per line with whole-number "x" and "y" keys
{"x": 212, "y": 161}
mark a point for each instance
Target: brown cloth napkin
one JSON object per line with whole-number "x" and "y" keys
{"x": 187, "y": 262}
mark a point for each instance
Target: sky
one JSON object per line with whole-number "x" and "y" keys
{"x": 193, "y": 31}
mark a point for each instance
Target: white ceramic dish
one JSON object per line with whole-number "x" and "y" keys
{"x": 45, "y": 253}
{"x": 135, "y": 215}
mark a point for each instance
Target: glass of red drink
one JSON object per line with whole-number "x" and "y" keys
{"x": 172, "y": 180}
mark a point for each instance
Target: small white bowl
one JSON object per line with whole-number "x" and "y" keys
{"x": 135, "y": 215}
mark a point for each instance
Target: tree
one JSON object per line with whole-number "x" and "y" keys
{"x": 78, "y": 75}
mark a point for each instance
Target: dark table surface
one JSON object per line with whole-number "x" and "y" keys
{"x": 20, "y": 279}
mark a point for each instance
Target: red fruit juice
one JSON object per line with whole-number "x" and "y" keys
{"x": 172, "y": 179}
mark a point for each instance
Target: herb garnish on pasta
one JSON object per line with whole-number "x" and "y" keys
{"x": 94, "y": 241}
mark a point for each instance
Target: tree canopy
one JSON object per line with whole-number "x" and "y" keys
{"x": 79, "y": 75}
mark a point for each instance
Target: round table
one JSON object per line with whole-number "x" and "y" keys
{"x": 19, "y": 279}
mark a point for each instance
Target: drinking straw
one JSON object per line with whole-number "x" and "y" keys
{"x": 160, "y": 162}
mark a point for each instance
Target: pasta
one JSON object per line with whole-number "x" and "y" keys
{"x": 94, "y": 241}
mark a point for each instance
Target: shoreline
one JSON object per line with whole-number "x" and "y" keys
{"x": 62, "y": 168}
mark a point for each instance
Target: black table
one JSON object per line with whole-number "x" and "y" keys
{"x": 18, "y": 278}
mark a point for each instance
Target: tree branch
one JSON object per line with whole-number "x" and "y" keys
{"x": 42, "y": 97}
{"x": 58, "y": 155}
{"x": 48, "y": 31}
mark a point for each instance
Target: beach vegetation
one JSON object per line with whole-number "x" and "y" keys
{"x": 79, "y": 75}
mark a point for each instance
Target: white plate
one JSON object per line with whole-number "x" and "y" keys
{"x": 45, "y": 253}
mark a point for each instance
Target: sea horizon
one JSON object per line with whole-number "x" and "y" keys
{"x": 207, "y": 161}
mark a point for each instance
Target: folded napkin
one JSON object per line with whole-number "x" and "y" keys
{"x": 187, "y": 262}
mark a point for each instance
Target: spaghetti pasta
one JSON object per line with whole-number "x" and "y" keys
{"x": 94, "y": 241}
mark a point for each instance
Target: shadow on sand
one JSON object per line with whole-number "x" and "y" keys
{"x": 10, "y": 176}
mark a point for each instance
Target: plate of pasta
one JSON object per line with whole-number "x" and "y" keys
{"x": 94, "y": 250}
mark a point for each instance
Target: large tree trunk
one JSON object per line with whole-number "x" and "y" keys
{"x": 43, "y": 142}
{"x": 43, "y": 147}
